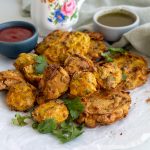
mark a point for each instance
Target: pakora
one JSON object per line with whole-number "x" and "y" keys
{"x": 55, "y": 82}
{"x": 104, "y": 108}
{"x": 72, "y": 43}
{"x": 82, "y": 84}
{"x": 97, "y": 45}
{"x": 21, "y": 97}
{"x": 108, "y": 75}
{"x": 24, "y": 59}
{"x": 9, "y": 78}
{"x": 26, "y": 64}
{"x": 54, "y": 109}
{"x": 78, "y": 63}
{"x": 134, "y": 68}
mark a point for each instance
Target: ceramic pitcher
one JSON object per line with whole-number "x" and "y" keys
{"x": 50, "y": 15}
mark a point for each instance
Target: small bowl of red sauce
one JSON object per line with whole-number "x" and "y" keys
{"x": 17, "y": 37}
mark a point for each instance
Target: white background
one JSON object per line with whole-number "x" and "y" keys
{"x": 11, "y": 10}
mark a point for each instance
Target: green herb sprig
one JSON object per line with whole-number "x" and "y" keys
{"x": 111, "y": 52}
{"x": 20, "y": 120}
{"x": 75, "y": 107}
{"x": 41, "y": 64}
{"x": 65, "y": 131}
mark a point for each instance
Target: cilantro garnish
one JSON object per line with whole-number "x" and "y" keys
{"x": 111, "y": 52}
{"x": 75, "y": 107}
{"x": 41, "y": 64}
{"x": 47, "y": 126}
{"x": 20, "y": 120}
{"x": 66, "y": 131}
{"x": 124, "y": 76}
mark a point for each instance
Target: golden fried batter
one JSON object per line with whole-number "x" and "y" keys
{"x": 72, "y": 43}
{"x": 78, "y": 43}
{"x": 98, "y": 36}
{"x": 21, "y": 97}
{"x": 104, "y": 107}
{"x": 96, "y": 49}
{"x": 26, "y": 64}
{"x": 55, "y": 82}
{"x": 55, "y": 39}
{"x": 24, "y": 59}
{"x": 78, "y": 63}
{"x": 82, "y": 84}
{"x": 135, "y": 68}
{"x": 31, "y": 75}
{"x": 9, "y": 78}
{"x": 54, "y": 109}
{"x": 97, "y": 45}
{"x": 108, "y": 75}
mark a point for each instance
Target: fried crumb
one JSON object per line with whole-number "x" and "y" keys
{"x": 121, "y": 133}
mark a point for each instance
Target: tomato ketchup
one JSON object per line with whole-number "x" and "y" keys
{"x": 15, "y": 34}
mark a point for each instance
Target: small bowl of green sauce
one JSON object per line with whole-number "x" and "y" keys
{"x": 114, "y": 22}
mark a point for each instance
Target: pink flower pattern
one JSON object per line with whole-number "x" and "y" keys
{"x": 67, "y": 11}
{"x": 69, "y": 8}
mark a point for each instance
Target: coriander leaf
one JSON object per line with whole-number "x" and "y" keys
{"x": 47, "y": 126}
{"x": 111, "y": 52}
{"x": 41, "y": 64}
{"x": 35, "y": 125}
{"x": 75, "y": 107}
{"x": 124, "y": 76}
{"x": 20, "y": 120}
{"x": 116, "y": 50}
{"x": 68, "y": 131}
{"x": 107, "y": 56}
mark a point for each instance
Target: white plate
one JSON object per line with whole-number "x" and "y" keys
{"x": 129, "y": 132}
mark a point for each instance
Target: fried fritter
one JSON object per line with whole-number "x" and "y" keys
{"x": 26, "y": 64}
{"x": 21, "y": 97}
{"x": 54, "y": 109}
{"x": 72, "y": 43}
{"x": 104, "y": 108}
{"x": 24, "y": 59}
{"x": 97, "y": 36}
{"x": 55, "y": 82}
{"x": 82, "y": 84}
{"x": 96, "y": 49}
{"x": 78, "y": 43}
{"x": 97, "y": 45}
{"x": 31, "y": 75}
{"x": 135, "y": 69}
{"x": 9, "y": 78}
{"x": 78, "y": 63}
{"x": 108, "y": 75}
{"x": 55, "y": 39}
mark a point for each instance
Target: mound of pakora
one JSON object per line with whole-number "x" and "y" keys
{"x": 74, "y": 65}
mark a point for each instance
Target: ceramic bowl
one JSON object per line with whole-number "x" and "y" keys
{"x": 13, "y": 49}
{"x": 114, "y": 33}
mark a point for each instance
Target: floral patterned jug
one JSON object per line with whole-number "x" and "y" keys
{"x": 49, "y": 15}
